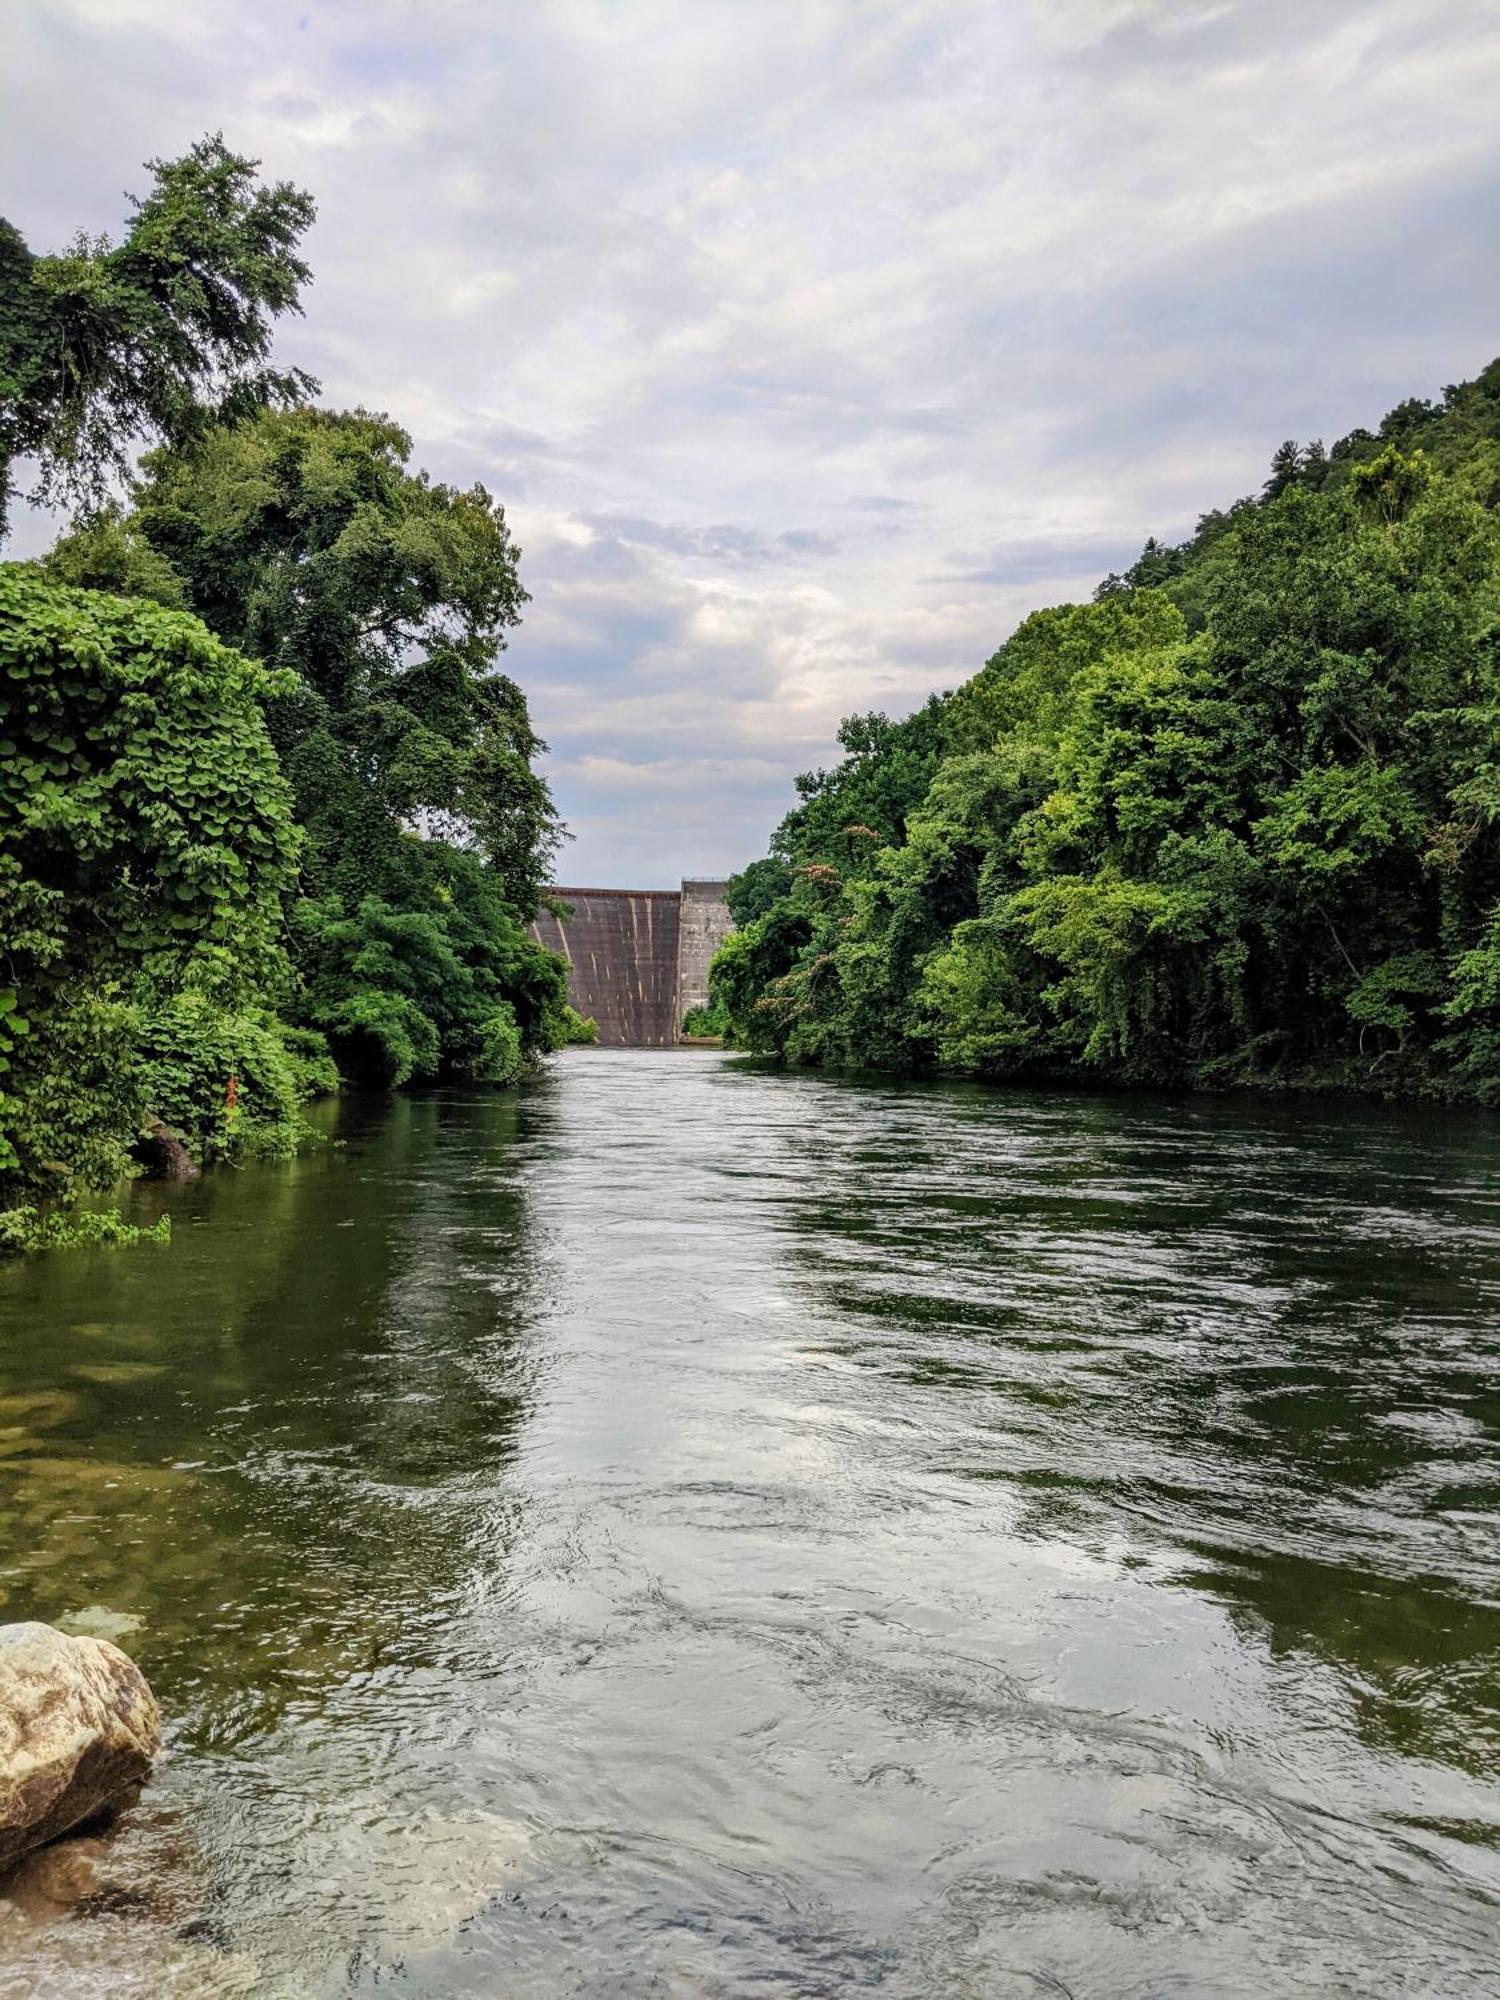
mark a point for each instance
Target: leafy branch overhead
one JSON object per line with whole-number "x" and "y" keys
{"x": 160, "y": 334}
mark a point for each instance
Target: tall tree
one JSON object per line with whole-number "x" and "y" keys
{"x": 159, "y": 334}
{"x": 302, "y": 538}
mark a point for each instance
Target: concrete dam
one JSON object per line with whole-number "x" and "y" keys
{"x": 638, "y": 959}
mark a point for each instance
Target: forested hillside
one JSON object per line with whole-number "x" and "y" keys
{"x": 1236, "y": 821}
{"x": 269, "y": 814}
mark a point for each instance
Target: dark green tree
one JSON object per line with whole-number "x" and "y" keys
{"x": 384, "y": 598}
{"x": 303, "y": 538}
{"x": 1243, "y": 826}
{"x": 146, "y": 843}
{"x": 1286, "y": 469}
{"x": 161, "y": 333}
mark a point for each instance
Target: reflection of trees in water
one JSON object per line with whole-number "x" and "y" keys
{"x": 1417, "y": 1658}
{"x": 1265, "y": 1337}
{"x": 275, "y": 1442}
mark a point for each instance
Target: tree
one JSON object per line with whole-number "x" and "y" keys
{"x": 146, "y": 843}
{"x": 303, "y": 538}
{"x": 162, "y": 333}
{"x": 1243, "y": 826}
{"x": 753, "y": 891}
{"x": 1286, "y": 466}
{"x": 851, "y": 810}
{"x": 384, "y": 599}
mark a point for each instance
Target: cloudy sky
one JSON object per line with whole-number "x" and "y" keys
{"x": 811, "y": 343}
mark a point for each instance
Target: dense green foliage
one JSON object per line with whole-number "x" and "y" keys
{"x": 301, "y": 537}
{"x": 706, "y": 1023}
{"x": 29, "y": 1228}
{"x": 161, "y": 332}
{"x": 146, "y": 843}
{"x": 576, "y": 1031}
{"x": 268, "y": 808}
{"x": 1234, "y": 822}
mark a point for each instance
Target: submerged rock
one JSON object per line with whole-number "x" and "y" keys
{"x": 56, "y": 1878}
{"x": 97, "y": 1621}
{"x": 128, "y": 1917}
{"x": 78, "y": 1730}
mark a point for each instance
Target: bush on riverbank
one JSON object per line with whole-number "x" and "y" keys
{"x": 27, "y": 1229}
{"x": 146, "y": 841}
{"x": 575, "y": 1030}
{"x": 1236, "y": 821}
{"x": 710, "y": 1023}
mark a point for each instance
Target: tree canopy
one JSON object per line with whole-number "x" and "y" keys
{"x": 384, "y": 599}
{"x": 1238, "y": 821}
{"x": 161, "y": 333}
{"x": 267, "y": 800}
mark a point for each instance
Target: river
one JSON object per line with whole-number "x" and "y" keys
{"x": 683, "y": 1530}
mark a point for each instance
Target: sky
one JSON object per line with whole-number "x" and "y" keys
{"x": 811, "y": 344}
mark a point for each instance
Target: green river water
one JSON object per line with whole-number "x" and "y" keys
{"x": 685, "y": 1530}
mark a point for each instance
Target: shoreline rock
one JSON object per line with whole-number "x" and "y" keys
{"x": 79, "y": 1728}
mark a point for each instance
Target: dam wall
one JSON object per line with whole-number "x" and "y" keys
{"x": 637, "y": 958}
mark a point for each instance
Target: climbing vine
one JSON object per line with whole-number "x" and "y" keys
{"x": 146, "y": 842}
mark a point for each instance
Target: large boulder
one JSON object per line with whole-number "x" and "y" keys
{"x": 78, "y": 1730}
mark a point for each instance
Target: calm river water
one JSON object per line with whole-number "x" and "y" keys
{"x": 690, "y": 1531}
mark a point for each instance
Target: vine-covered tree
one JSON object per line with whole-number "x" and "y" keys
{"x": 146, "y": 842}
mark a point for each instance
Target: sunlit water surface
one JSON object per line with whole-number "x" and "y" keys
{"x": 690, "y": 1531}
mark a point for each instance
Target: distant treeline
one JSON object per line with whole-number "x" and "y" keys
{"x": 1236, "y": 821}
{"x": 269, "y": 815}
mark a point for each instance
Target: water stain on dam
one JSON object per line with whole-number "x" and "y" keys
{"x": 637, "y": 959}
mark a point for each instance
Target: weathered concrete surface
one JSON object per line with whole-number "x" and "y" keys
{"x": 702, "y": 926}
{"x": 78, "y": 1730}
{"x": 621, "y": 948}
{"x": 638, "y": 958}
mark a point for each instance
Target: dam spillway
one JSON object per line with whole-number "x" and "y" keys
{"x": 638, "y": 959}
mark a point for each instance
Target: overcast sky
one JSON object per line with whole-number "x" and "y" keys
{"x": 812, "y": 343}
